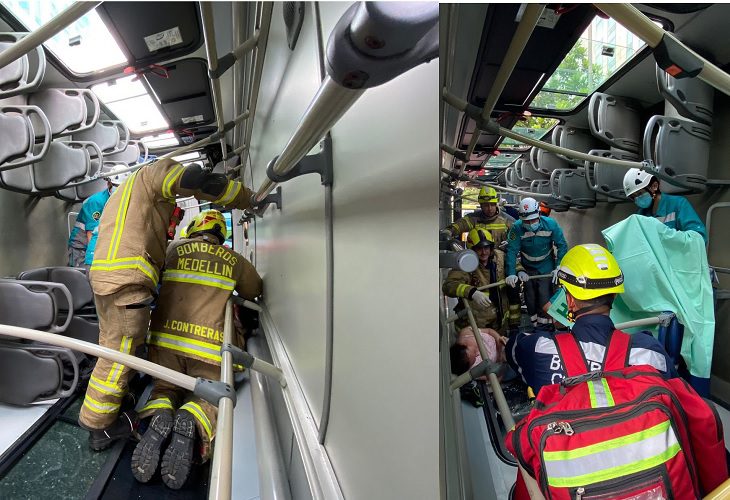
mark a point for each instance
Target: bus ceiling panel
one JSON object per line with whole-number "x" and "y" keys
{"x": 150, "y": 32}
{"x": 544, "y": 52}
{"x": 185, "y": 95}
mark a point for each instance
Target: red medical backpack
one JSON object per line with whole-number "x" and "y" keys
{"x": 621, "y": 433}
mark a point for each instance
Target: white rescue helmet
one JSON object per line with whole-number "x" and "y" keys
{"x": 117, "y": 179}
{"x": 636, "y": 180}
{"x": 529, "y": 209}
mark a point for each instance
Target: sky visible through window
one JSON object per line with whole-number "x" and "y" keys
{"x": 603, "y": 48}
{"x": 84, "y": 47}
{"x": 127, "y": 98}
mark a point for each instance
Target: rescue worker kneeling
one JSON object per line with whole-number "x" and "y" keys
{"x": 185, "y": 335}
{"x": 613, "y": 427}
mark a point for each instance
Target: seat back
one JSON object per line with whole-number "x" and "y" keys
{"x": 679, "y": 149}
{"x": 18, "y": 147}
{"x": 510, "y": 177}
{"x": 544, "y": 186}
{"x": 105, "y": 134}
{"x": 577, "y": 139}
{"x": 545, "y": 162}
{"x": 691, "y": 97}
{"x": 75, "y": 279}
{"x": 34, "y": 305}
{"x": 569, "y": 185}
{"x": 615, "y": 121}
{"x": 26, "y": 73}
{"x": 67, "y": 110}
{"x": 608, "y": 179}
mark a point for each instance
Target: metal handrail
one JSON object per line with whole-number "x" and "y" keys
{"x": 643, "y": 27}
{"x": 519, "y": 41}
{"x": 259, "y": 56}
{"x": 37, "y": 37}
{"x": 206, "y": 14}
{"x": 214, "y": 73}
{"x": 157, "y": 371}
{"x": 327, "y": 107}
{"x": 495, "y": 186}
{"x": 222, "y": 464}
{"x": 493, "y": 127}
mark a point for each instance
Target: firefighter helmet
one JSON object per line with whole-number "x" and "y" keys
{"x": 589, "y": 271}
{"x": 479, "y": 238}
{"x": 488, "y": 195}
{"x": 209, "y": 221}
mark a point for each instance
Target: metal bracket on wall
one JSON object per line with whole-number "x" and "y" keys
{"x": 320, "y": 163}
{"x": 260, "y": 207}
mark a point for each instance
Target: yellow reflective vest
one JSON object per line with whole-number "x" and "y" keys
{"x": 199, "y": 278}
{"x": 497, "y": 226}
{"x": 130, "y": 249}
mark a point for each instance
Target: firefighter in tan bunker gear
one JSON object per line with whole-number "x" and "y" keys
{"x": 185, "y": 335}
{"x": 130, "y": 252}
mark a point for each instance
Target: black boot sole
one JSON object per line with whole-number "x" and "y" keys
{"x": 146, "y": 455}
{"x": 178, "y": 459}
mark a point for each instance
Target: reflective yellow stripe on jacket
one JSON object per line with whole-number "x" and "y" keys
{"x": 170, "y": 180}
{"x": 199, "y": 278}
{"x": 139, "y": 263}
{"x": 230, "y": 193}
{"x": 159, "y": 403}
{"x": 186, "y": 345}
{"x": 121, "y": 217}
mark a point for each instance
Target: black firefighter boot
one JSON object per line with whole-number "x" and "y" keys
{"x": 146, "y": 455}
{"x": 178, "y": 459}
{"x": 122, "y": 428}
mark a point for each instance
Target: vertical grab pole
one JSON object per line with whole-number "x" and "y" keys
{"x": 221, "y": 468}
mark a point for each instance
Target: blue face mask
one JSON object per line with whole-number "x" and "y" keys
{"x": 533, "y": 226}
{"x": 643, "y": 200}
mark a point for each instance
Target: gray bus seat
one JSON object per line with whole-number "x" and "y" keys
{"x": 105, "y": 134}
{"x": 569, "y": 185}
{"x": 65, "y": 162}
{"x": 33, "y": 371}
{"x": 26, "y": 73}
{"x": 84, "y": 323}
{"x": 512, "y": 181}
{"x": 19, "y": 137}
{"x": 679, "y": 149}
{"x": 526, "y": 172}
{"x": 608, "y": 179}
{"x": 615, "y": 121}
{"x": 691, "y": 97}
{"x": 577, "y": 139}
{"x": 67, "y": 110}
{"x": 545, "y": 162}
{"x": 75, "y": 279}
{"x": 82, "y": 191}
{"x": 544, "y": 186}
{"x": 135, "y": 152}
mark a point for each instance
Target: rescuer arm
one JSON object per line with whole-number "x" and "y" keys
{"x": 194, "y": 180}
{"x": 688, "y": 220}
{"x": 249, "y": 284}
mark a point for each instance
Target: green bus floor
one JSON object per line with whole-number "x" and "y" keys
{"x": 59, "y": 466}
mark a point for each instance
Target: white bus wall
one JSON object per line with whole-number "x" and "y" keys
{"x": 383, "y": 430}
